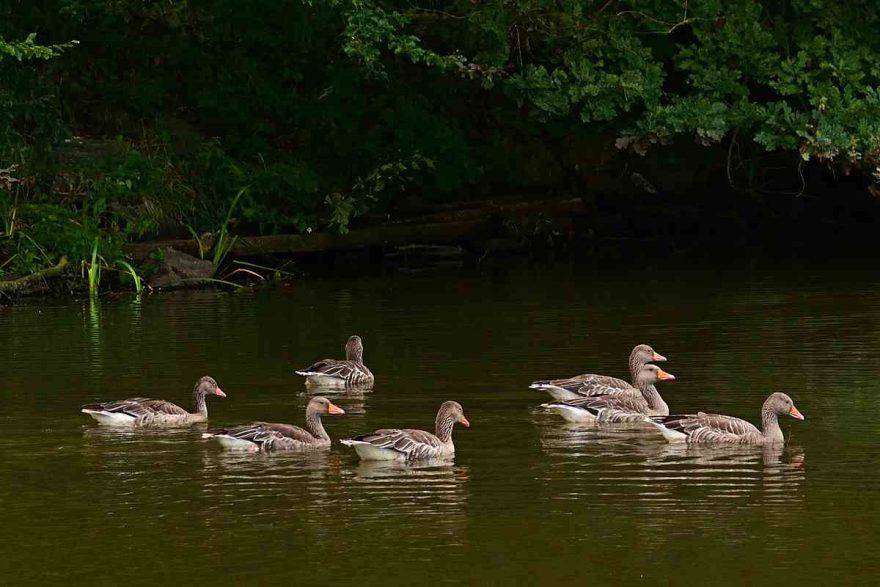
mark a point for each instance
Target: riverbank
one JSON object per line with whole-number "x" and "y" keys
{"x": 470, "y": 232}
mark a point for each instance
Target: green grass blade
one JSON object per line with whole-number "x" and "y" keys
{"x": 94, "y": 271}
{"x": 138, "y": 284}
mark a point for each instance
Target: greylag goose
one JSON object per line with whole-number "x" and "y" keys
{"x": 589, "y": 384}
{"x": 392, "y": 444}
{"x": 335, "y": 373}
{"x": 713, "y": 428}
{"x": 618, "y": 408}
{"x": 263, "y": 436}
{"x": 141, "y": 411}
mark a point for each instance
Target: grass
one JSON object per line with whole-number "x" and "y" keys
{"x": 198, "y": 240}
{"x": 224, "y": 242}
{"x": 136, "y": 279}
{"x": 94, "y": 273}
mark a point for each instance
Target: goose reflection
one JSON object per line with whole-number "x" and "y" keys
{"x": 231, "y": 472}
{"x": 711, "y": 455}
{"x": 569, "y": 439}
{"x": 726, "y": 472}
{"x": 635, "y": 468}
{"x": 112, "y": 437}
{"x": 420, "y": 489}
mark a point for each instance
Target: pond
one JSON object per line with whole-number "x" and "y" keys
{"x": 528, "y": 499}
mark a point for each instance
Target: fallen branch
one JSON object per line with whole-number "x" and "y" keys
{"x": 35, "y": 282}
{"x": 448, "y": 227}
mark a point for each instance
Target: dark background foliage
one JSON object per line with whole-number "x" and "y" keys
{"x": 127, "y": 119}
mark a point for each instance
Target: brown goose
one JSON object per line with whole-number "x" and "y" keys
{"x": 335, "y": 373}
{"x": 271, "y": 437}
{"x": 392, "y": 444}
{"x": 716, "y": 429}
{"x": 618, "y": 408}
{"x": 589, "y": 384}
{"x": 141, "y": 411}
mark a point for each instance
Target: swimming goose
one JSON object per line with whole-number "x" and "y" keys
{"x": 392, "y": 444}
{"x": 618, "y": 408}
{"x": 335, "y": 373}
{"x": 590, "y": 384}
{"x": 141, "y": 411}
{"x": 263, "y": 436}
{"x": 713, "y": 428}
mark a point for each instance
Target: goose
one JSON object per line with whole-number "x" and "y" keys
{"x": 340, "y": 374}
{"x": 141, "y": 411}
{"x": 618, "y": 408}
{"x": 393, "y": 444}
{"x": 716, "y": 429}
{"x": 590, "y": 384}
{"x": 263, "y": 436}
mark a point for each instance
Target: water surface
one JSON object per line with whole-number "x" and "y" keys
{"x": 528, "y": 499}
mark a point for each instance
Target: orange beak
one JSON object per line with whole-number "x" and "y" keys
{"x": 219, "y": 392}
{"x": 658, "y": 357}
{"x": 795, "y": 413}
{"x": 334, "y": 409}
{"x": 664, "y": 376}
{"x": 464, "y": 422}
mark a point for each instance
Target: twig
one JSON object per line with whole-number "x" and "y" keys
{"x": 729, "y": 155}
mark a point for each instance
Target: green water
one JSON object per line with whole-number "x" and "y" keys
{"x": 528, "y": 500}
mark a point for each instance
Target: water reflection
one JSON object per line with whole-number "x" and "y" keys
{"x": 109, "y": 437}
{"x": 233, "y": 474}
{"x": 635, "y": 466}
{"x": 426, "y": 501}
{"x": 521, "y": 478}
{"x": 427, "y": 488}
{"x": 95, "y": 338}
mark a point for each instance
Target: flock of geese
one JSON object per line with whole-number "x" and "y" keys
{"x": 587, "y": 398}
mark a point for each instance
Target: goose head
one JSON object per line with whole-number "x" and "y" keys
{"x": 651, "y": 374}
{"x": 322, "y": 405}
{"x": 645, "y": 354}
{"x": 354, "y": 348}
{"x": 453, "y": 411}
{"x": 780, "y": 404}
{"x": 207, "y": 386}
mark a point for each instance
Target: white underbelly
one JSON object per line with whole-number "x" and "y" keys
{"x": 232, "y": 443}
{"x": 111, "y": 418}
{"x": 572, "y": 414}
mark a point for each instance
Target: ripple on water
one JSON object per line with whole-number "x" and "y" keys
{"x": 631, "y": 464}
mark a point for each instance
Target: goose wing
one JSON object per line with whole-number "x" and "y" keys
{"x": 289, "y": 431}
{"x": 589, "y": 384}
{"x": 415, "y": 444}
{"x": 158, "y": 406}
{"x": 604, "y": 385}
{"x": 138, "y": 407}
{"x": 332, "y": 368}
{"x": 267, "y": 436}
{"x": 702, "y": 427}
{"x": 613, "y": 408}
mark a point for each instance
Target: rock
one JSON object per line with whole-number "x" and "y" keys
{"x": 175, "y": 269}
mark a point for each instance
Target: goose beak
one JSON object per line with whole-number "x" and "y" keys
{"x": 664, "y": 376}
{"x": 219, "y": 392}
{"x": 334, "y": 409}
{"x": 464, "y": 422}
{"x": 658, "y": 357}
{"x": 795, "y": 413}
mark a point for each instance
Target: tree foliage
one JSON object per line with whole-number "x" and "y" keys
{"x": 329, "y": 109}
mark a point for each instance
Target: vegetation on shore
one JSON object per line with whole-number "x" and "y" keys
{"x": 134, "y": 119}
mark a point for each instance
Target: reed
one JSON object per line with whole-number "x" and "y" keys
{"x": 135, "y": 278}
{"x": 94, "y": 273}
{"x": 225, "y": 242}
